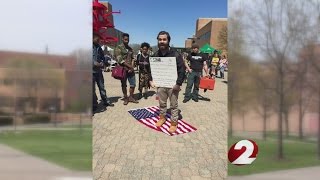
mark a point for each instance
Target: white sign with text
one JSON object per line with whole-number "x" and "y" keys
{"x": 164, "y": 71}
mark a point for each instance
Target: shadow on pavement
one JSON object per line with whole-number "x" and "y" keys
{"x": 114, "y": 99}
{"x": 100, "y": 108}
{"x": 201, "y": 98}
{"x": 149, "y": 94}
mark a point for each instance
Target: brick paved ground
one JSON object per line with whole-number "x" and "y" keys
{"x": 125, "y": 149}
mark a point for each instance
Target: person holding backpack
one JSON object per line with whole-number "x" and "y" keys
{"x": 144, "y": 70}
{"x": 198, "y": 62}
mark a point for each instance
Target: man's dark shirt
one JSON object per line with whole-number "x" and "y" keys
{"x": 196, "y": 61}
{"x": 97, "y": 56}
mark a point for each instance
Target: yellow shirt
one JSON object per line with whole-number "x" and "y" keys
{"x": 215, "y": 61}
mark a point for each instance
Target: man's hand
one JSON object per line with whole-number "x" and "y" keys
{"x": 176, "y": 88}
{"x": 98, "y": 64}
{"x": 189, "y": 70}
{"x": 130, "y": 68}
{"x": 152, "y": 84}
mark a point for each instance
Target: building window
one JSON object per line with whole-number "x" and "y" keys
{"x": 205, "y": 36}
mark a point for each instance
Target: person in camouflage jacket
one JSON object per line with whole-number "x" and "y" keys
{"x": 124, "y": 56}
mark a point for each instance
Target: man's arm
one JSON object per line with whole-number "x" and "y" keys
{"x": 118, "y": 55}
{"x": 205, "y": 67}
{"x": 120, "y": 58}
{"x": 181, "y": 70}
{"x": 186, "y": 63}
{"x": 95, "y": 58}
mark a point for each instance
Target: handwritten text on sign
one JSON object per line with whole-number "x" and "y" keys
{"x": 164, "y": 71}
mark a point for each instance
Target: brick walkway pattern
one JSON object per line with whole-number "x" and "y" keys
{"x": 125, "y": 149}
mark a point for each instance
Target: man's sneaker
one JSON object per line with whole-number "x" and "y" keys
{"x": 161, "y": 121}
{"x": 131, "y": 99}
{"x": 125, "y": 101}
{"x": 185, "y": 100}
{"x": 173, "y": 127}
{"x": 195, "y": 100}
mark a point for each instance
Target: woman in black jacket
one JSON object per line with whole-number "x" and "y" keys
{"x": 144, "y": 69}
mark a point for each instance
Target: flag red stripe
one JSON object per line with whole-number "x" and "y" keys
{"x": 188, "y": 126}
{"x": 145, "y": 121}
{"x": 163, "y": 129}
{"x": 182, "y": 127}
{"x": 179, "y": 129}
{"x": 148, "y": 125}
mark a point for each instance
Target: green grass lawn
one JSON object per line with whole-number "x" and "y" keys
{"x": 76, "y": 126}
{"x": 297, "y": 154}
{"x": 68, "y": 148}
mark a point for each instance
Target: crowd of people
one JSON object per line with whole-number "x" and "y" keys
{"x": 189, "y": 66}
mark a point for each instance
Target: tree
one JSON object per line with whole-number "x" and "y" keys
{"x": 302, "y": 87}
{"x": 313, "y": 56}
{"x": 277, "y": 31}
{"x": 264, "y": 95}
{"x": 236, "y": 47}
{"x": 223, "y": 39}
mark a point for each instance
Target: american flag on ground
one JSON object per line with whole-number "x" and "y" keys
{"x": 150, "y": 116}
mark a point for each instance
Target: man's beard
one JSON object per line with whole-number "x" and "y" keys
{"x": 194, "y": 52}
{"x": 126, "y": 43}
{"x": 163, "y": 46}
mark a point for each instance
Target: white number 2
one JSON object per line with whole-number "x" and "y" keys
{"x": 244, "y": 158}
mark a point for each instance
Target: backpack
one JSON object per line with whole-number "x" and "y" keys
{"x": 119, "y": 72}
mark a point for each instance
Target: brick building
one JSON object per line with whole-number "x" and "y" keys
{"x": 207, "y": 31}
{"x": 33, "y": 83}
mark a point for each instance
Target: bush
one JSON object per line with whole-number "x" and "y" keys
{"x": 6, "y": 121}
{"x": 39, "y": 118}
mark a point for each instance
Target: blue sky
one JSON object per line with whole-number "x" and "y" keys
{"x": 64, "y": 26}
{"x": 30, "y": 25}
{"x": 144, "y": 19}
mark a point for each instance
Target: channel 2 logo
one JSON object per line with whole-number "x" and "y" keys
{"x": 243, "y": 152}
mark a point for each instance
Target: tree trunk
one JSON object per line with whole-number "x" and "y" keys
{"x": 264, "y": 123}
{"x": 281, "y": 107}
{"x": 319, "y": 124}
{"x": 286, "y": 119}
{"x": 300, "y": 114}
